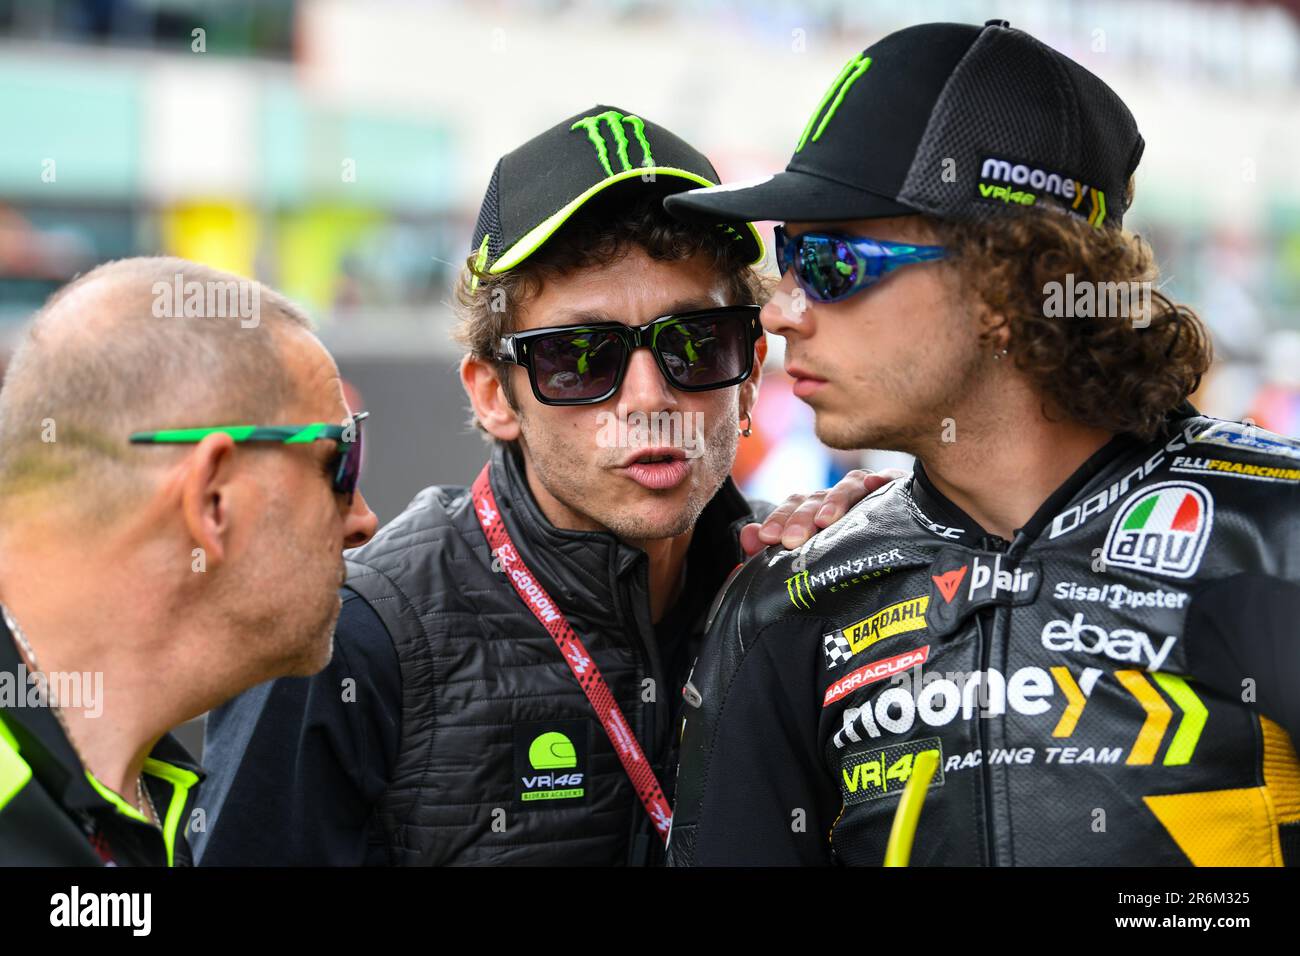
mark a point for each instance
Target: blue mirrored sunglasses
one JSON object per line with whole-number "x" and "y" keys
{"x": 830, "y": 267}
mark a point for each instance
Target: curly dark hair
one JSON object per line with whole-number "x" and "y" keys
{"x": 1110, "y": 372}
{"x": 606, "y": 228}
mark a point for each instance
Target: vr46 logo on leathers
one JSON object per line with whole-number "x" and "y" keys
{"x": 884, "y": 772}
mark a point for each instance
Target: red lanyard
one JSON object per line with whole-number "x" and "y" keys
{"x": 584, "y": 669}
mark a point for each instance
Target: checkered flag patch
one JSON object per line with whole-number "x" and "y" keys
{"x": 837, "y": 648}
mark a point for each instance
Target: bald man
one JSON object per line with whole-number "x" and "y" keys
{"x": 178, "y": 475}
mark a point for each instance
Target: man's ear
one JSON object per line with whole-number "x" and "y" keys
{"x": 994, "y": 330}
{"x": 749, "y": 387}
{"x": 488, "y": 399}
{"x": 206, "y": 495}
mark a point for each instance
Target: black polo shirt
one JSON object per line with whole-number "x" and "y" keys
{"x": 54, "y": 813}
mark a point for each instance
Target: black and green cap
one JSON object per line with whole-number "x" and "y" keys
{"x": 538, "y": 187}
{"x": 957, "y": 121}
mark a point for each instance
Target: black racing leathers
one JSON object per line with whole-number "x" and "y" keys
{"x": 1118, "y": 685}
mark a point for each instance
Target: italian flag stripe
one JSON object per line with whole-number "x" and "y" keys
{"x": 1156, "y": 509}
{"x": 1188, "y": 515}
{"x": 1141, "y": 513}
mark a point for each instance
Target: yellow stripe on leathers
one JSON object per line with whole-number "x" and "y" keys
{"x": 1158, "y": 715}
{"x": 1237, "y": 827}
{"x": 1065, "y": 680}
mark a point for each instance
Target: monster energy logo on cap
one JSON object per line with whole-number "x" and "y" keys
{"x": 539, "y": 186}
{"x": 614, "y": 121}
{"x": 834, "y": 96}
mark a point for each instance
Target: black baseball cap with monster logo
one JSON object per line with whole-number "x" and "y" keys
{"x": 536, "y": 188}
{"x": 953, "y": 120}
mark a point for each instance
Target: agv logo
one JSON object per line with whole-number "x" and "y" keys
{"x": 1163, "y": 529}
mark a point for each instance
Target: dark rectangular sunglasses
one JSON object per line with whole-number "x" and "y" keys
{"x": 345, "y": 465}
{"x": 585, "y": 364}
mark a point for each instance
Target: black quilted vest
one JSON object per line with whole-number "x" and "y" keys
{"x": 485, "y": 692}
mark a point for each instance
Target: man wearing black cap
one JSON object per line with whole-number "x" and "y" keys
{"x": 510, "y": 655}
{"x": 1083, "y": 648}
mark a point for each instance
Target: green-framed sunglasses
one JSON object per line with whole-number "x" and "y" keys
{"x": 345, "y": 465}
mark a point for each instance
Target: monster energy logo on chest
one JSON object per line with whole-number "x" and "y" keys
{"x": 834, "y": 97}
{"x": 614, "y": 122}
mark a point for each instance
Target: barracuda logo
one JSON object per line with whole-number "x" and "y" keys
{"x": 875, "y": 671}
{"x": 615, "y": 121}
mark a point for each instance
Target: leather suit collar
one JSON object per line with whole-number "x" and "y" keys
{"x": 946, "y": 519}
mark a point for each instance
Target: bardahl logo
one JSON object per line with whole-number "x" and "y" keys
{"x": 896, "y": 619}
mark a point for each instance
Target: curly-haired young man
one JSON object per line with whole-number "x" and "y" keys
{"x": 1081, "y": 649}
